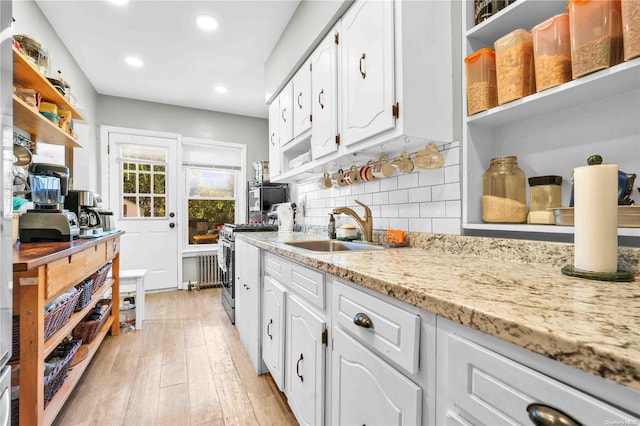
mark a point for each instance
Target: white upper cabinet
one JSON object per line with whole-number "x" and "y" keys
{"x": 285, "y": 100}
{"x": 324, "y": 104}
{"x": 302, "y": 100}
{"x": 367, "y": 71}
{"x": 274, "y": 138}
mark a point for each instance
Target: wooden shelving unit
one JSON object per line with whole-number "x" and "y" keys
{"x": 35, "y": 123}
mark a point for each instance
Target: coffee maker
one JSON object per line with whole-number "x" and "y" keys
{"x": 83, "y": 203}
{"x": 48, "y": 221}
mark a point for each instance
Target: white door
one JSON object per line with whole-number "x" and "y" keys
{"x": 366, "y": 46}
{"x": 143, "y": 170}
{"x": 273, "y": 295}
{"x": 302, "y": 100}
{"x": 305, "y": 367}
{"x": 324, "y": 101}
{"x": 367, "y": 390}
{"x": 274, "y": 138}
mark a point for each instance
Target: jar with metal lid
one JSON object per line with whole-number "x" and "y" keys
{"x": 504, "y": 198}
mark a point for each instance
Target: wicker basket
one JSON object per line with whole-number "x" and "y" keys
{"x": 88, "y": 330}
{"x": 59, "y": 316}
{"x": 100, "y": 276}
{"x": 87, "y": 291}
{"x": 55, "y": 379}
{"x": 15, "y": 412}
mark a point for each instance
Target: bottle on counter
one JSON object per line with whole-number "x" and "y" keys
{"x": 332, "y": 227}
{"x": 504, "y": 198}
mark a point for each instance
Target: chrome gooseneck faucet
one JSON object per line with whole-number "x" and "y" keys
{"x": 365, "y": 224}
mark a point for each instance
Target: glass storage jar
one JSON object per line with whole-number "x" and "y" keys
{"x": 545, "y": 192}
{"x": 504, "y": 186}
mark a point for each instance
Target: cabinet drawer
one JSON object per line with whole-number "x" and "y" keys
{"x": 95, "y": 257}
{"x": 488, "y": 388}
{"x": 64, "y": 273}
{"x": 113, "y": 248}
{"x": 394, "y": 332}
{"x": 306, "y": 282}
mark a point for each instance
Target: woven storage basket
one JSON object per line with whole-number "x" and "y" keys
{"x": 87, "y": 291}
{"x": 15, "y": 351}
{"x": 100, "y": 276}
{"x": 58, "y": 317}
{"x": 55, "y": 379}
{"x": 88, "y": 330}
{"x": 15, "y": 412}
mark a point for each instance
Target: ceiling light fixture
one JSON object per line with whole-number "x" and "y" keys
{"x": 207, "y": 23}
{"x": 221, "y": 89}
{"x": 134, "y": 62}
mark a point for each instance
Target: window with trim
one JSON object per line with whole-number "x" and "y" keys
{"x": 211, "y": 189}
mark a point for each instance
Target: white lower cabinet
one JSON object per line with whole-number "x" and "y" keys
{"x": 368, "y": 391}
{"x": 273, "y": 320}
{"x": 478, "y": 386}
{"x": 305, "y": 362}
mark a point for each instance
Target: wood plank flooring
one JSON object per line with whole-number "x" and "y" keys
{"x": 185, "y": 367}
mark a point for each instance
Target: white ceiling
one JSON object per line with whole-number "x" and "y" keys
{"x": 182, "y": 63}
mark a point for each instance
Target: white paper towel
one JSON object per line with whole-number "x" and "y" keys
{"x": 595, "y": 190}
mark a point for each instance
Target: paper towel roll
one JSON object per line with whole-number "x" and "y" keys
{"x": 595, "y": 190}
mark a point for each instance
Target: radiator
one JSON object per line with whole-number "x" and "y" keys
{"x": 207, "y": 271}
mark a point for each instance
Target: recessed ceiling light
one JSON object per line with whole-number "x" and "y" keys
{"x": 119, "y": 2}
{"x": 221, "y": 89}
{"x": 206, "y": 22}
{"x": 134, "y": 62}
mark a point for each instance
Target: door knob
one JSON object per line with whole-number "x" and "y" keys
{"x": 172, "y": 225}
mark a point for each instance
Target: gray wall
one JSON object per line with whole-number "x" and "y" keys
{"x": 31, "y": 21}
{"x": 308, "y": 25}
{"x": 189, "y": 122}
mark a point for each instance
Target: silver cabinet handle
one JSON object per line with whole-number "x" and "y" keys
{"x": 284, "y": 110}
{"x": 543, "y": 415}
{"x": 320, "y": 98}
{"x": 363, "y": 73}
{"x": 269, "y": 329}
{"x": 299, "y": 96}
{"x": 362, "y": 320}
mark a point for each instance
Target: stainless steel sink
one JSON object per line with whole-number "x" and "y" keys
{"x": 333, "y": 245}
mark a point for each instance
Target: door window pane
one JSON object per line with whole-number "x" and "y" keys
{"x": 144, "y": 182}
{"x": 158, "y": 183}
{"x": 159, "y": 206}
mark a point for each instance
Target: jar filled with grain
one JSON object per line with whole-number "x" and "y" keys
{"x": 504, "y": 198}
{"x": 631, "y": 28}
{"x": 552, "y": 52}
{"x": 482, "y": 92}
{"x": 514, "y": 66}
{"x": 596, "y": 35}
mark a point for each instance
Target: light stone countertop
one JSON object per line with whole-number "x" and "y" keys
{"x": 509, "y": 289}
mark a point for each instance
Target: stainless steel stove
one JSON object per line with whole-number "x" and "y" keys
{"x": 227, "y": 239}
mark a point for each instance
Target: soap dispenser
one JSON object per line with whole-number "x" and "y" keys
{"x": 332, "y": 227}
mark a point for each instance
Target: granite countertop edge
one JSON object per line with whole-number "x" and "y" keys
{"x": 492, "y": 286}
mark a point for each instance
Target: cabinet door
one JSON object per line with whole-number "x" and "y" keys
{"x": 324, "y": 100}
{"x": 367, "y": 70}
{"x": 248, "y": 300}
{"x": 273, "y": 296}
{"x": 302, "y": 100}
{"x": 274, "y": 138}
{"x": 286, "y": 114}
{"x": 305, "y": 363}
{"x": 367, "y": 390}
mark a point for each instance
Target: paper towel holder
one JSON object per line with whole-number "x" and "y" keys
{"x": 618, "y": 276}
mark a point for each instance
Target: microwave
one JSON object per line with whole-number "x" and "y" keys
{"x": 261, "y": 198}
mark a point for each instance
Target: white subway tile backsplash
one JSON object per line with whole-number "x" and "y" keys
{"x": 357, "y": 189}
{"x": 408, "y": 181}
{"x": 452, "y": 174}
{"x": 389, "y": 184}
{"x": 409, "y": 210}
{"x": 399, "y": 223}
{"x": 419, "y": 225}
{"x": 433, "y": 209}
{"x": 399, "y": 197}
{"x": 420, "y": 194}
{"x": 451, "y": 156}
{"x": 380, "y": 198}
{"x": 431, "y": 177}
{"x": 381, "y": 223}
{"x": 446, "y": 226}
{"x": 390, "y": 210}
{"x": 372, "y": 187}
{"x": 454, "y": 208}
{"x": 449, "y": 191}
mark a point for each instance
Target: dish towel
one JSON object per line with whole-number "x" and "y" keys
{"x": 222, "y": 258}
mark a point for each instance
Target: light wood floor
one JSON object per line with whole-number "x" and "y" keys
{"x": 185, "y": 367}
